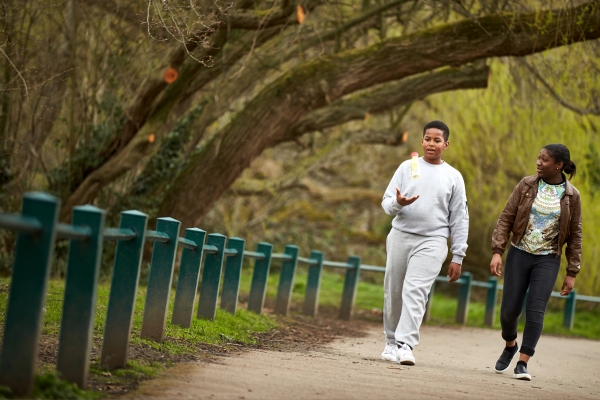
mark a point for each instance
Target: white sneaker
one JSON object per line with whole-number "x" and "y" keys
{"x": 404, "y": 355}
{"x": 389, "y": 353}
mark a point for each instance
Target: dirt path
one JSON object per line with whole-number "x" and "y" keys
{"x": 452, "y": 363}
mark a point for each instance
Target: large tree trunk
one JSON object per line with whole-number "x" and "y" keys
{"x": 150, "y": 106}
{"x": 321, "y": 81}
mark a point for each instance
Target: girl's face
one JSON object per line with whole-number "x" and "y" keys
{"x": 434, "y": 145}
{"x": 548, "y": 169}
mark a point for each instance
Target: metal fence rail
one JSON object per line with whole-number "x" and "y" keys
{"x": 217, "y": 257}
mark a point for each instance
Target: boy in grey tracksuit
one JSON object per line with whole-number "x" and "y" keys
{"x": 427, "y": 211}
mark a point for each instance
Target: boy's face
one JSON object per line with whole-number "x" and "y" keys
{"x": 434, "y": 145}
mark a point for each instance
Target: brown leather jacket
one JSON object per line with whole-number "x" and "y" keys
{"x": 515, "y": 216}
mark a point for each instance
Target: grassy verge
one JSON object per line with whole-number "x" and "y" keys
{"x": 204, "y": 337}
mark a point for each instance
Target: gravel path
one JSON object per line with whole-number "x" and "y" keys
{"x": 452, "y": 363}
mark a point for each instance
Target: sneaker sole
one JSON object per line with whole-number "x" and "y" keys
{"x": 407, "y": 362}
{"x": 388, "y": 358}
{"x": 501, "y": 371}
{"x": 523, "y": 377}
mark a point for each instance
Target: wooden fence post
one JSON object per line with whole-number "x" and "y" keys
{"x": 160, "y": 280}
{"x": 123, "y": 289}
{"x": 79, "y": 304}
{"x": 313, "y": 284}
{"x": 569, "y": 316}
{"x": 232, "y": 275}
{"x": 350, "y": 285}
{"x": 286, "y": 280}
{"x": 187, "y": 281}
{"x": 464, "y": 294}
{"x": 28, "y": 286}
{"x": 260, "y": 276}
{"x": 211, "y": 277}
{"x": 490, "y": 301}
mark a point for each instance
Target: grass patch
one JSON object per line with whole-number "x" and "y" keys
{"x": 228, "y": 330}
{"x": 180, "y": 343}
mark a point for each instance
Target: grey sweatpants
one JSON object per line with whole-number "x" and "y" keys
{"x": 413, "y": 263}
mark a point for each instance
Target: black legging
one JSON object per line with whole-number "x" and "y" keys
{"x": 522, "y": 271}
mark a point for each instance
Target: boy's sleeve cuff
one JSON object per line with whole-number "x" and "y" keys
{"x": 396, "y": 205}
{"x": 457, "y": 259}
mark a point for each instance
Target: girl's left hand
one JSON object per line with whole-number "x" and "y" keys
{"x": 567, "y": 285}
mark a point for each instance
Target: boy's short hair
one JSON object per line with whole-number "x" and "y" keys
{"x": 438, "y": 125}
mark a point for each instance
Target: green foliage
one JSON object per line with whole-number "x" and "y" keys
{"x": 5, "y": 392}
{"x": 592, "y": 168}
{"x": 162, "y": 167}
{"x": 90, "y": 150}
{"x": 50, "y": 386}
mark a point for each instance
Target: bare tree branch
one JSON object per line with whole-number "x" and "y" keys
{"x": 390, "y": 95}
{"x": 554, "y": 93}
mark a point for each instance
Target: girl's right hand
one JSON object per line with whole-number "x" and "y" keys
{"x": 496, "y": 264}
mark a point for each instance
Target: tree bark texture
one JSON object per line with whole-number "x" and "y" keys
{"x": 388, "y": 96}
{"x": 322, "y": 81}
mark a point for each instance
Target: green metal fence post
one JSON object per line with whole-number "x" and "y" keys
{"x": 427, "y": 315}
{"x": 350, "y": 285}
{"x": 187, "y": 281}
{"x": 232, "y": 276}
{"x": 490, "y": 301}
{"x": 286, "y": 280}
{"x": 123, "y": 289}
{"x": 159, "y": 281}
{"x": 313, "y": 284}
{"x": 258, "y": 289}
{"x": 464, "y": 294}
{"x": 569, "y": 316}
{"x": 211, "y": 277}
{"x": 29, "y": 282}
{"x": 79, "y": 304}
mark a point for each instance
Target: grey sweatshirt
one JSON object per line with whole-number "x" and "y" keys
{"x": 441, "y": 209}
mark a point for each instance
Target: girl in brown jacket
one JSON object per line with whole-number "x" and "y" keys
{"x": 543, "y": 213}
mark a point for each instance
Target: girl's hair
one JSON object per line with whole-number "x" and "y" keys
{"x": 559, "y": 152}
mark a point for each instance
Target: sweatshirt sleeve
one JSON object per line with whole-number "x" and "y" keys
{"x": 459, "y": 221}
{"x": 389, "y": 203}
{"x": 504, "y": 226}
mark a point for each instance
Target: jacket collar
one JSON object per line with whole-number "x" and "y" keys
{"x": 533, "y": 181}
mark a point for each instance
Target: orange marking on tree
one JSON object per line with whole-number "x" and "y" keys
{"x": 170, "y": 75}
{"x": 300, "y": 14}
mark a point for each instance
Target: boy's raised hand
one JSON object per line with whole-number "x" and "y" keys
{"x": 404, "y": 201}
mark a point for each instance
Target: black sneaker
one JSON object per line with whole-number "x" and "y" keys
{"x": 521, "y": 372}
{"x": 503, "y": 363}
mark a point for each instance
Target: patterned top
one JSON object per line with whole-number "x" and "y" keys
{"x": 543, "y": 227}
